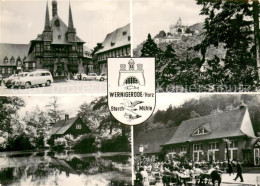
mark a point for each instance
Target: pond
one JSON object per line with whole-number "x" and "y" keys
{"x": 49, "y": 168}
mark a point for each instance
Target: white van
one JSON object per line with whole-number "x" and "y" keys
{"x": 36, "y": 78}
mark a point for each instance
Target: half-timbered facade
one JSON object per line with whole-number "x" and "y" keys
{"x": 12, "y": 57}
{"x": 116, "y": 44}
{"x": 57, "y": 48}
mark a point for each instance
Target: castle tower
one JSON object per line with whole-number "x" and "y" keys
{"x": 71, "y": 32}
{"x": 179, "y": 22}
{"x": 54, "y": 8}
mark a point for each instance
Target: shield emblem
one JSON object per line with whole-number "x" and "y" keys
{"x": 131, "y": 89}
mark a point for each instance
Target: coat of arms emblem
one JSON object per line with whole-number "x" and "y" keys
{"x": 131, "y": 89}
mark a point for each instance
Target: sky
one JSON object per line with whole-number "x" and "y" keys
{"x": 69, "y": 103}
{"x": 152, "y": 16}
{"x": 22, "y": 20}
{"x": 164, "y": 100}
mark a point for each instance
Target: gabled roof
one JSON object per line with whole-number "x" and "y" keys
{"x": 57, "y": 31}
{"x": 117, "y": 38}
{"x": 152, "y": 140}
{"x": 61, "y": 126}
{"x": 12, "y": 50}
{"x": 30, "y": 58}
{"x": 227, "y": 124}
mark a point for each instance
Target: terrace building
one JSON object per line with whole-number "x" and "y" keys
{"x": 206, "y": 138}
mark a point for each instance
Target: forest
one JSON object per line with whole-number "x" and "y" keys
{"x": 32, "y": 131}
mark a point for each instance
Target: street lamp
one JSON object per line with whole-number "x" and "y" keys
{"x": 189, "y": 155}
{"x": 141, "y": 149}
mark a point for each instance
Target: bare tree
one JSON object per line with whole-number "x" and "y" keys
{"x": 53, "y": 110}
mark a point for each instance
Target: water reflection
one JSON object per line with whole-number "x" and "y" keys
{"x": 49, "y": 168}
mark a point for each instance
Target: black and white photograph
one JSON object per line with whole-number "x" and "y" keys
{"x": 62, "y": 140}
{"x": 61, "y": 46}
{"x": 199, "y": 139}
{"x": 200, "y": 45}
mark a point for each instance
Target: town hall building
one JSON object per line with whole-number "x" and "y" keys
{"x": 58, "y": 48}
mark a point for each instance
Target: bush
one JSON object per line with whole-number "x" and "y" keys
{"x": 60, "y": 144}
{"x": 86, "y": 144}
{"x": 117, "y": 144}
{"x": 21, "y": 142}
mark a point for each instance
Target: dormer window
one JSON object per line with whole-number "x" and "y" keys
{"x": 57, "y": 22}
{"x": 18, "y": 59}
{"x": 124, "y": 33}
{"x": 200, "y": 131}
{"x": 112, "y": 44}
{"x": 59, "y": 36}
{"x": 12, "y": 59}
{"x": 6, "y": 59}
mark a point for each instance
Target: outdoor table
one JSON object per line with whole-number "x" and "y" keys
{"x": 185, "y": 178}
{"x": 205, "y": 178}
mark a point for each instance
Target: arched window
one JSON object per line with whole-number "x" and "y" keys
{"x": 200, "y": 131}
{"x": 6, "y": 59}
{"x": 12, "y": 59}
{"x": 18, "y": 59}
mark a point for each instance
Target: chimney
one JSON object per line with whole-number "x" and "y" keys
{"x": 66, "y": 117}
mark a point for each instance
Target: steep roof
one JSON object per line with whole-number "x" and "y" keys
{"x": 152, "y": 140}
{"x": 117, "y": 37}
{"x": 30, "y": 58}
{"x": 59, "y": 29}
{"x": 221, "y": 125}
{"x": 61, "y": 126}
{"x": 12, "y": 50}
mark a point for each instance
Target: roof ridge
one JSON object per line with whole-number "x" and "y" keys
{"x": 119, "y": 28}
{"x": 215, "y": 114}
{"x": 153, "y": 131}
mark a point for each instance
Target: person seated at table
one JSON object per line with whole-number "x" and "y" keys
{"x": 211, "y": 169}
{"x": 216, "y": 176}
{"x": 197, "y": 170}
{"x": 182, "y": 169}
{"x": 149, "y": 168}
{"x": 176, "y": 176}
{"x": 139, "y": 177}
{"x": 145, "y": 177}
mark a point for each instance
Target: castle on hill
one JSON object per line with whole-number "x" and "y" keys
{"x": 176, "y": 31}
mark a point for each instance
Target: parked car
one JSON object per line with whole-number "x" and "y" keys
{"x": 10, "y": 81}
{"x": 79, "y": 76}
{"x": 102, "y": 77}
{"x": 90, "y": 76}
{"x": 40, "y": 78}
